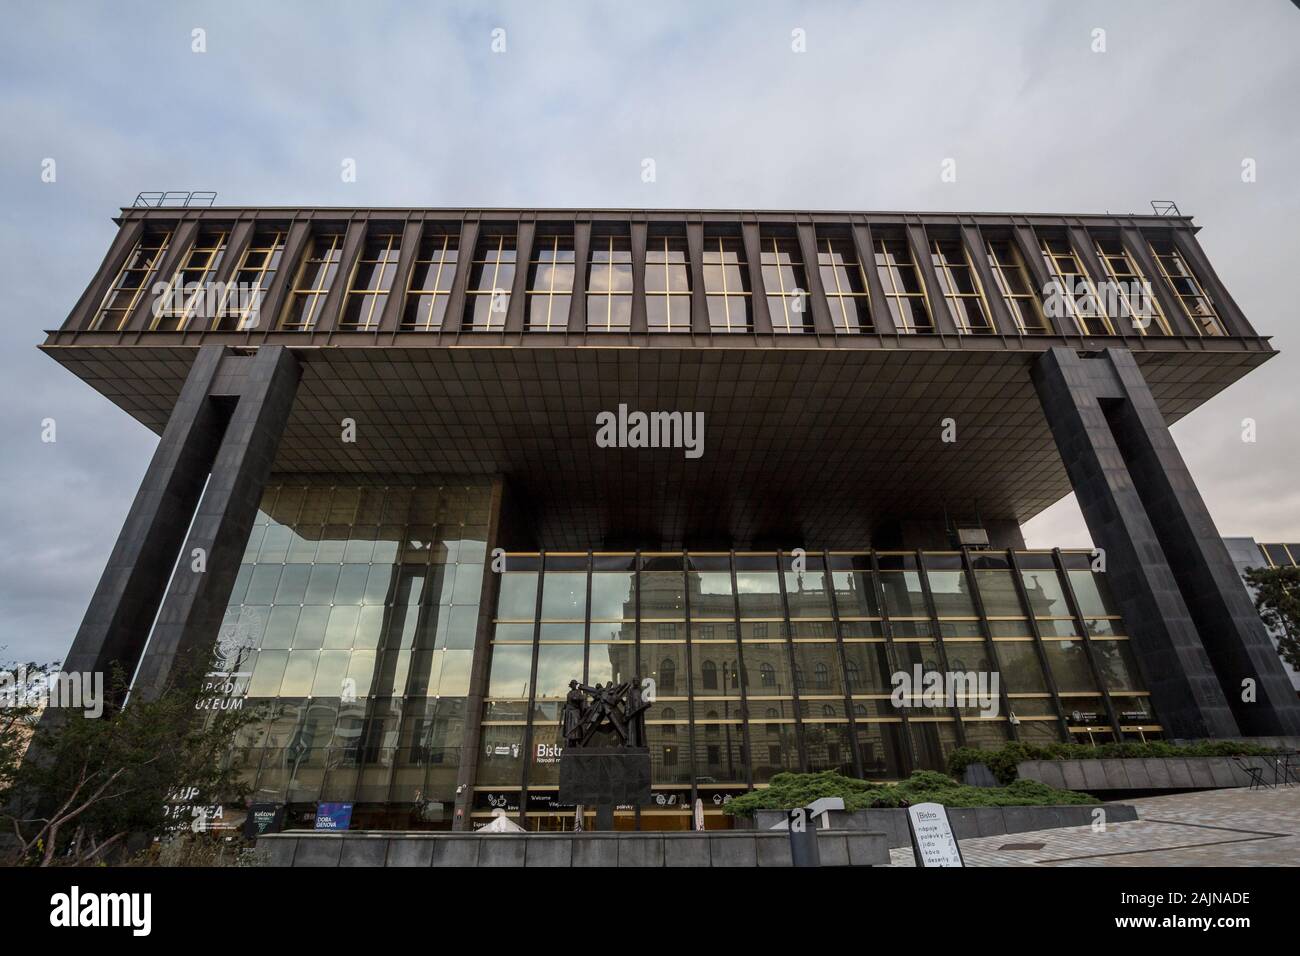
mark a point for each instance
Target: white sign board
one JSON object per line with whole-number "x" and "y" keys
{"x": 699, "y": 814}
{"x": 932, "y": 840}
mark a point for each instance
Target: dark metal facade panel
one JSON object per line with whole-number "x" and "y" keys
{"x": 940, "y": 314}
{"x": 581, "y": 256}
{"x": 182, "y": 238}
{"x": 1138, "y": 249}
{"x": 823, "y": 324}
{"x": 974, "y": 243}
{"x": 864, "y": 242}
{"x": 517, "y": 311}
{"x": 295, "y": 247}
{"x": 87, "y": 307}
{"x": 412, "y": 233}
{"x": 699, "y": 301}
{"x": 469, "y": 231}
{"x": 759, "y": 315}
{"x": 1234, "y": 321}
{"x": 639, "y": 233}
{"x": 354, "y": 240}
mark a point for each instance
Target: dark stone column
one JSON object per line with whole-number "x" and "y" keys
{"x": 1194, "y": 636}
{"x": 126, "y": 600}
{"x": 1230, "y": 627}
{"x": 190, "y": 616}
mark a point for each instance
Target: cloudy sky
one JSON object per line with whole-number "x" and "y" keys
{"x": 1036, "y": 120}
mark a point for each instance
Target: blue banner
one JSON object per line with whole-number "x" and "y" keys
{"x": 333, "y": 816}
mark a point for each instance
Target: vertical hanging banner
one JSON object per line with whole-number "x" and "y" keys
{"x": 933, "y": 842}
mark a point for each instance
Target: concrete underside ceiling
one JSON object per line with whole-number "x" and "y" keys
{"x": 815, "y": 446}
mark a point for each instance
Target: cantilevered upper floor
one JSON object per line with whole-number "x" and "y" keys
{"x": 823, "y": 347}
{"x": 439, "y": 277}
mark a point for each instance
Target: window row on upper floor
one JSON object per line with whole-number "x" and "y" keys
{"x": 906, "y": 281}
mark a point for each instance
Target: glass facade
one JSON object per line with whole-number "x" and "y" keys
{"x": 1186, "y": 286}
{"x": 845, "y": 284}
{"x": 186, "y": 293}
{"x": 550, "y": 281}
{"x": 905, "y": 294}
{"x": 241, "y": 304}
{"x": 429, "y": 288}
{"x": 135, "y": 277}
{"x": 349, "y": 636}
{"x": 372, "y": 280}
{"x": 311, "y": 285}
{"x": 762, "y": 665}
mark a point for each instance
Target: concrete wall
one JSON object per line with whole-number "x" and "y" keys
{"x": 967, "y": 822}
{"x": 1148, "y": 773}
{"x": 732, "y": 848}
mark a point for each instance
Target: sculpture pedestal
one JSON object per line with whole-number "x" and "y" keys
{"x": 605, "y": 777}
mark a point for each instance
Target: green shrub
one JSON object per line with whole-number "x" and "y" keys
{"x": 1002, "y": 761}
{"x": 789, "y": 790}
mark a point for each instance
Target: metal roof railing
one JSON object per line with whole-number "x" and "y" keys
{"x": 175, "y": 198}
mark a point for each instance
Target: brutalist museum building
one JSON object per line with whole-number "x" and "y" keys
{"x": 380, "y": 446}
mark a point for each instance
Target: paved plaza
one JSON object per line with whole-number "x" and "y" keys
{"x": 1210, "y": 828}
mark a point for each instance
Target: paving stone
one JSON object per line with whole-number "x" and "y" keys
{"x": 1228, "y": 827}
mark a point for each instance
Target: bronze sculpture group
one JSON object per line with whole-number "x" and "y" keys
{"x": 611, "y": 708}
